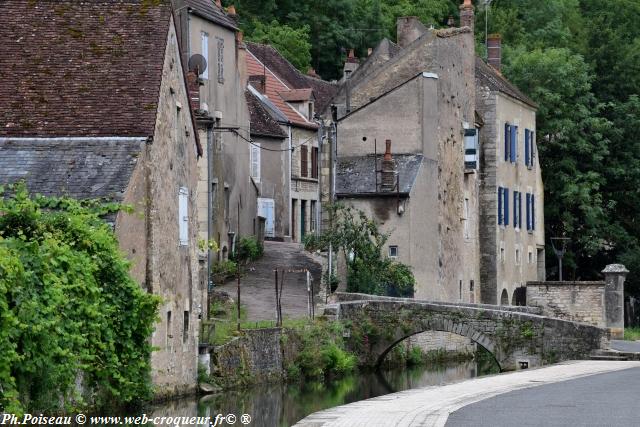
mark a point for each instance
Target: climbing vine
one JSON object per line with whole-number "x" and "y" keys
{"x": 74, "y": 325}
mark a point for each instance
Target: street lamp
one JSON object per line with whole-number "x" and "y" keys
{"x": 559, "y": 245}
{"x": 487, "y": 3}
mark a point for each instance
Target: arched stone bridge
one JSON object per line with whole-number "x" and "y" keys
{"x": 511, "y": 334}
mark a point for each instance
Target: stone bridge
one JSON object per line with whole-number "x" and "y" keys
{"x": 513, "y": 335}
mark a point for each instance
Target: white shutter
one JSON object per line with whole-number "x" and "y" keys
{"x": 255, "y": 162}
{"x": 205, "y": 53}
{"x": 183, "y": 215}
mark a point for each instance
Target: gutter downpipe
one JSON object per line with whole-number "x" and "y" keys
{"x": 210, "y": 140}
{"x": 318, "y": 212}
{"x": 332, "y": 188}
{"x": 289, "y": 183}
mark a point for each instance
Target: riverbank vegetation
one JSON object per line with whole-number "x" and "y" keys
{"x": 74, "y": 325}
{"x": 632, "y": 334}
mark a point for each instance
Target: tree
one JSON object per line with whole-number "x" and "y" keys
{"x": 69, "y": 310}
{"x": 292, "y": 43}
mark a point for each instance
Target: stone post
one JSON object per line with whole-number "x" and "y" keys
{"x": 614, "y": 277}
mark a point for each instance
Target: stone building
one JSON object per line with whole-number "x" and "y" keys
{"x": 511, "y": 191}
{"x": 291, "y": 99}
{"x": 417, "y": 95}
{"x": 96, "y": 106}
{"x": 227, "y": 202}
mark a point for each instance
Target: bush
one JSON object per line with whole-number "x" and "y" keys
{"x": 221, "y": 271}
{"x": 69, "y": 308}
{"x": 248, "y": 249}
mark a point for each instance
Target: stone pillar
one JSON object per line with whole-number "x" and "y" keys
{"x": 614, "y": 277}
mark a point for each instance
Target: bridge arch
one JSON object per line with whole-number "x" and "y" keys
{"x": 457, "y": 328}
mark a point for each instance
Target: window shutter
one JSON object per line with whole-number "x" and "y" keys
{"x": 255, "y": 162}
{"x": 205, "y": 52}
{"x": 514, "y": 145}
{"x": 220, "y": 60}
{"x": 527, "y": 154}
{"x": 506, "y": 206}
{"x": 520, "y": 209}
{"x": 304, "y": 168}
{"x": 533, "y": 212}
{"x": 532, "y": 143}
{"x": 314, "y": 162}
{"x": 183, "y": 216}
{"x": 528, "y": 202}
{"x": 500, "y": 205}
{"x": 515, "y": 209}
{"x": 507, "y": 138}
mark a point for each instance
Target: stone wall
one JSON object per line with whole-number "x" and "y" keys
{"x": 576, "y": 301}
{"x": 437, "y": 340}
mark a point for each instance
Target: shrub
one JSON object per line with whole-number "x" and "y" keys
{"x": 248, "y": 249}
{"x": 70, "y": 308}
{"x": 222, "y": 270}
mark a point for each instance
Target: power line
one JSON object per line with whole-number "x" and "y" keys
{"x": 252, "y": 142}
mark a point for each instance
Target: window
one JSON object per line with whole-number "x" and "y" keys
{"x": 505, "y": 205}
{"x": 304, "y": 166}
{"x": 500, "y": 199}
{"x": 460, "y": 291}
{"x": 465, "y": 218}
{"x": 393, "y": 252}
{"x": 183, "y": 215}
{"x": 528, "y": 148}
{"x": 169, "y": 334}
{"x": 255, "y": 161}
{"x": 185, "y": 327}
{"x": 314, "y": 162}
{"x": 502, "y": 255}
{"x": 517, "y": 256}
{"x": 517, "y": 209}
{"x": 530, "y": 256}
{"x": 507, "y": 142}
{"x": 220, "y": 60}
{"x": 471, "y": 285}
{"x": 205, "y": 52}
{"x": 531, "y": 212}
{"x": 471, "y": 148}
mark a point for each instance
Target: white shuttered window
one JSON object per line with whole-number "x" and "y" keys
{"x": 183, "y": 215}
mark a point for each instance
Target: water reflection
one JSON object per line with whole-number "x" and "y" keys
{"x": 273, "y": 405}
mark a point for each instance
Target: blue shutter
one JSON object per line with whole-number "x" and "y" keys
{"x": 532, "y": 143}
{"x": 515, "y": 209}
{"x": 499, "y": 205}
{"x": 514, "y": 139}
{"x": 527, "y": 154}
{"x": 507, "y": 138}
{"x": 520, "y": 209}
{"x": 533, "y": 212}
{"x": 528, "y": 201}
{"x": 506, "y": 206}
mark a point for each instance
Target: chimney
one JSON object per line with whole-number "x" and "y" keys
{"x": 388, "y": 170}
{"x": 312, "y": 73}
{"x": 258, "y": 83}
{"x": 193, "y": 88}
{"x": 408, "y": 29}
{"x": 231, "y": 11}
{"x": 369, "y": 51}
{"x": 352, "y": 63}
{"x": 467, "y": 18}
{"x": 451, "y": 22}
{"x": 494, "y": 51}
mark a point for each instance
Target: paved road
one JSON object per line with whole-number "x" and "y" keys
{"x": 631, "y": 346}
{"x": 257, "y": 291}
{"x": 609, "y": 399}
{"x": 431, "y": 406}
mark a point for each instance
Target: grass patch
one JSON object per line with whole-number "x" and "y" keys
{"x": 632, "y": 334}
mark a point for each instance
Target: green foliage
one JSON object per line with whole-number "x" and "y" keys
{"x": 368, "y": 271}
{"x": 220, "y": 271}
{"x": 292, "y": 43}
{"x": 632, "y": 334}
{"x": 69, "y": 308}
{"x": 249, "y": 249}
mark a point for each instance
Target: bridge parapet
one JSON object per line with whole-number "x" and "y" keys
{"x": 376, "y": 325}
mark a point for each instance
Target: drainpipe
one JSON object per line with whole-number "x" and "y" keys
{"x": 318, "y": 212}
{"x": 209, "y": 202}
{"x": 289, "y": 183}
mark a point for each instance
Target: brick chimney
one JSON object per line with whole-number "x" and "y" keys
{"x": 231, "y": 11}
{"x": 351, "y": 64}
{"x": 467, "y": 18}
{"x": 258, "y": 82}
{"x": 312, "y": 73}
{"x": 451, "y": 22}
{"x": 193, "y": 88}
{"x": 408, "y": 29}
{"x": 494, "y": 51}
{"x": 388, "y": 169}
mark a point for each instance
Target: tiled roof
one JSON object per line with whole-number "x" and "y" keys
{"x": 81, "y": 168}
{"x": 488, "y": 76}
{"x": 290, "y": 75}
{"x": 296, "y": 95}
{"x": 207, "y": 9}
{"x": 81, "y": 68}
{"x": 261, "y": 121}
{"x": 273, "y": 88}
{"x": 357, "y": 175}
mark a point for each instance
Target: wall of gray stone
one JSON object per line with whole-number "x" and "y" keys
{"x": 438, "y": 340}
{"x": 576, "y": 301}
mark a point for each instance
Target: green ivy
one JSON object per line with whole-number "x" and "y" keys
{"x": 69, "y": 310}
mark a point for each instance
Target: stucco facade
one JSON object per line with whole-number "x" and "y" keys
{"x": 422, "y": 102}
{"x": 512, "y": 236}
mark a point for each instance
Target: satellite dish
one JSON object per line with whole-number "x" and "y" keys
{"x": 197, "y": 64}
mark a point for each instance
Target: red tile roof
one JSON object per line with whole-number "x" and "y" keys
{"x": 274, "y": 86}
{"x": 297, "y": 95}
{"x": 81, "y": 68}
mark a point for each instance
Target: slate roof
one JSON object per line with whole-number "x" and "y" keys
{"x": 207, "y": 9}
{"x": 355, "y": 176}
{"x": 81, "y": 68}
{"x": 261, "y": 121}
{"x": 291, "y": 76}
{"x": 488, "y": 76}
{"x": 297, "y": 95}
{"x": 77, "y": 167}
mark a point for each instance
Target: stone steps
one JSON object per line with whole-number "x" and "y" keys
{"x": 605, "y": 357}
{"x": 614, "y": 355}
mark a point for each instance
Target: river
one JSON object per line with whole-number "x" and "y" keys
{"x": 275, "y": 405}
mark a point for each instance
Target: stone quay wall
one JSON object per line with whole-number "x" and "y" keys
{"x": 582, "y": 302}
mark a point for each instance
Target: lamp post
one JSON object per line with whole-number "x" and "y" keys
{"x": 487, "y": 3}
{"x": 559, "y": 245}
